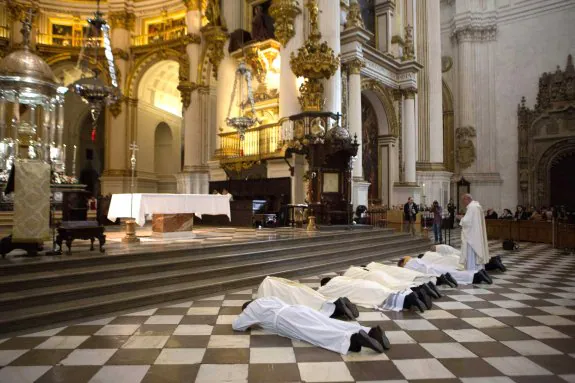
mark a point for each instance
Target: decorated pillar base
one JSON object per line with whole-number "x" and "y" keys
{"x": 130, "y": 236}
{"x": 193, "y": 182}
{"x": 360, "y": 193}
{"x": 311, "y": 226}
{"x": 402, "y": 191}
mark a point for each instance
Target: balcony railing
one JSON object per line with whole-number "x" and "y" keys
{"x": 261, "y": 143}
{"x": 64, "y": 40}
{"x": 158, "y": 37}
{"x": 4, "y": 32}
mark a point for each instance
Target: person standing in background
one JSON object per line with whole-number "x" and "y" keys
{"x": 410, "y": 212}
{"x": 451, "y": 210}
{"x": 437, "y": 211}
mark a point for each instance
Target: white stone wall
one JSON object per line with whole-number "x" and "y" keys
{"x": 533, "y": 37}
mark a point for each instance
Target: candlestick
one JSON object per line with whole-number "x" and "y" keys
{"x": 2, "y": 118}
{"x": 74, "y": 162}
{"x": 60, "y": 123}
{"x": 63, "y": 159}
{"x": 52, "y": 123}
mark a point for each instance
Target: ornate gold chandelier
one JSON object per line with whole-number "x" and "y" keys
{"x": 314, "y": 61}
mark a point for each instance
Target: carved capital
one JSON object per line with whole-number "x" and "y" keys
{"x": 122, "y": 20}
{"x": 215, "y": 37}
{"x": 116, "y": 108}
{"x": 354, "y": 19}
{"x": 121, "y": 54}
{"x": 475, "y": 33}
{"x": 192, "y": 38}
{"x": 409, "y": 93}
{"x": 192, "y": 5}
{"x": 355, "y": 65}
{"x": 186, "y": 89}
{"x": 284, "y": 13}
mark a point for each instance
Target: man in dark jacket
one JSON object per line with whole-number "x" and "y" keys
{"x": 410, "y": 213}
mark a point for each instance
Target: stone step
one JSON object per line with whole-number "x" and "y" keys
{"x": 52, "y": 279}
{"x": 141, "y": 252}
{"x": 113, "y": 284}
{"x": 41, "y": 315}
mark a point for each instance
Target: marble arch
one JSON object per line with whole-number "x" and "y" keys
{"x": 547, "y": 161}
{"x": 68, "y": 60}
{"x": 372, "y": 88}
{"x": 143, "y": 63}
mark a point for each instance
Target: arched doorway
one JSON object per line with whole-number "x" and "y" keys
{"x": 562, "y": 181}
{"x": 163, "y": 150}
{"x": 370, "y": 133}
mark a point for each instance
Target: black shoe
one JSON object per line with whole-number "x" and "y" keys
{"x": 426, "y": 299}
{"x": 413, "y": 301}
{"x": 361, "y": 339}
{"x": 442, "y": 281}
{"x": 351, "y": 307}
{"x": 450, "y": 278}
{"x": 500, "y": 265}
{"x": 478, "y": 278}
{"x": 341, "y": 310}
{"x": 486, "y": 277}
{"x": 434, "y": 288}
{"x": 429, "y": 291}
{"x": 378, "y": 334}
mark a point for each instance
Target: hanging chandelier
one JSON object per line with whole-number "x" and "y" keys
{"x": 242, "y": 86}
{"x": 91, "y": 88}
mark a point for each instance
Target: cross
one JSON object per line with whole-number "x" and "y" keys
{"x": 134, "y": 148}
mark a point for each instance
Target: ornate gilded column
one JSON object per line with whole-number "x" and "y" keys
{"x": 121, "y": 123}
{"x": 410, "y": 153}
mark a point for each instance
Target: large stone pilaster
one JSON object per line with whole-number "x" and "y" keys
{"x": 329, "y": 26}
{"x": 434, "y": 84}
{"x": 410, "y": 144}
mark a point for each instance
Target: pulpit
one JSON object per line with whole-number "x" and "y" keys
{"x": 330, "y": 158}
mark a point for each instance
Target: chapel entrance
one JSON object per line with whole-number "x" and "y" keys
{"x": 562, "y": 182}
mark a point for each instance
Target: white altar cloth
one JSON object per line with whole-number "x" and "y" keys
{"x": 145, "y": 204}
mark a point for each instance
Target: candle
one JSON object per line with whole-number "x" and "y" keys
{"x": 64, "y": 157}
{"x": 60, "y": 123}
{"x": 74, "y": 155}
{"x": 52, "y": 123}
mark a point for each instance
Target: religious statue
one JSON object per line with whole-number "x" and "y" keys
{"x": 408, "y": 50}
{"x": 523, "y": 178}
{"x": 213, "y": 13}
{"x": 262, "y": 25}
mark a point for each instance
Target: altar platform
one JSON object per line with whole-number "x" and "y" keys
{"x": 46, "y": 290}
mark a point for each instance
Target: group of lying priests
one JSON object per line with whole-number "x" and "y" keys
{"x": 296, "y": 311}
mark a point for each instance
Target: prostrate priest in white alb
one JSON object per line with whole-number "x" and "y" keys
{"x": 474, "y": 248}
{"x": 403, "y": 273}
{"x": 295, "y": 293}
{"x": 309, "y": 325}
{"x": 369, "y": 294}
{"x": 423, "y": 291}
{"x": 494, "y": 263}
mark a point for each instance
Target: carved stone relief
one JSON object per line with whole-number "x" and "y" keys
{"x": 466, "y": 154}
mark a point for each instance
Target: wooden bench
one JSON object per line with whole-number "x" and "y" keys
{"x": 71, "y": 230}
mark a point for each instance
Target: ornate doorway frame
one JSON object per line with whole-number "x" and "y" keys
{"x": 546, "y": 134}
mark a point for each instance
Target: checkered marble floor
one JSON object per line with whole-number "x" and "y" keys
{"x": 520, "y": 329}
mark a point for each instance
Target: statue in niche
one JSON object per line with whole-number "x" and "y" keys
{"x": 262, "y": 25}
{"x": 523, "y": 178}
{"x": 213, "y": 14}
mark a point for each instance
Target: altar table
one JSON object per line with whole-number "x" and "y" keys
{"x": 172, "y": 212}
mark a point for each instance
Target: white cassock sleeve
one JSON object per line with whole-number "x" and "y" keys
{"x": 245, "y": 320}
{"x": 294, "y": 293}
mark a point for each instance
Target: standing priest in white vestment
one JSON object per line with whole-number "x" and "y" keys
{"x": 474, "y": 248}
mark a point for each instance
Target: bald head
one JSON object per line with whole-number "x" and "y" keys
{"x": 467, "y": 198}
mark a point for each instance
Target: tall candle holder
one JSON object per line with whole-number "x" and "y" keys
{"x": 130, "y": 236}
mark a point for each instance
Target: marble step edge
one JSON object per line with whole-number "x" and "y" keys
{"x": 74, "y": 310}
{"x": 151, "y": 253}
{"x": 10, "y": 300}
{"x": 141, "y": 265}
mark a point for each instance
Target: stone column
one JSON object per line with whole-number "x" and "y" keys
{"x": 435, "y": 86}
{"x": 194, "y": 177}
{"x": 289, "y": 104}
{"x": 360, "y": 188}
{"x": 410, "y": 152}
{"x": 120, "y": 121}
{"x": 329, "y": 26}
